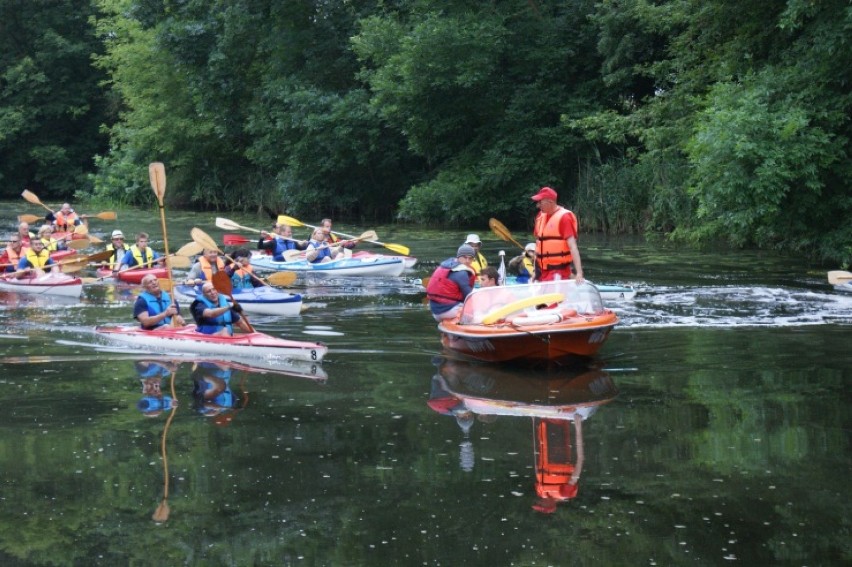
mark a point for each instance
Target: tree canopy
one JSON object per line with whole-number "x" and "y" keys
{"x": 705, "y": 120}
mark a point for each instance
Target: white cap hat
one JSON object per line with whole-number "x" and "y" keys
{"x": 473, "y": 239}
{"x": 529, "y": 247}
{"x": 117, "y": 234}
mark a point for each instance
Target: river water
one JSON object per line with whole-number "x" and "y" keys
{"x": 712, "y": 428}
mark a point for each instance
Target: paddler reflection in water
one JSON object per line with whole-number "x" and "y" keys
{"x": 557, "y": 467}
{"x": 154, "y": 307}
{"x": 215, "y": 315}
{"x": 444, "y": 403}
{"x": 212, "y": 393}
{"x": 151, "y": 374}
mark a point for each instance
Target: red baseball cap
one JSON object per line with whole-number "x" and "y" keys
{"x": 545, "y": 193}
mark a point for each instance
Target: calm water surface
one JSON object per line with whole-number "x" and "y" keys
{"x": 712, "y": 428}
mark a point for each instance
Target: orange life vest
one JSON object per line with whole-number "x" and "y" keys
{"x": 552, "y": 251}
{"x": 207, "y": 267}
{"x": 63, "y": 222}
{"x": 553, "y": 466}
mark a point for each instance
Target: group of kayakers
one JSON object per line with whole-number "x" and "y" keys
{"x": 553, "y": 256}
{"x": 322, "y": 245}
{"x": 27, "y": 254}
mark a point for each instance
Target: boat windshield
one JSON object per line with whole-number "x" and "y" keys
{"x": 583, "y": 298}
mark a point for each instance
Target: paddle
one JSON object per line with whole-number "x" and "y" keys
{"x": 278, "y": 278}
{"x": 838, "y": 277}
{"x": 161, "y": 514}
{"x": 83, "y": 230}
{"x": 32, "y": 198}
{"x": 291, "y": 255}
{"x": 235, "y": 240}
{"x": 78, "y": 244}
{"x": 84, "y": 261}
{"x": 106, "y": 215}
{"x": 223, "y": 284}
{"x": 179, "y": 259}
{"x": 81, "y": 261}
{"x": 500, "y": 230}
{"x": 231, "y": 225}
{"x": 157, "y": 176}
{"x": 29, "y": 219}
{"x": 398, "y": 248}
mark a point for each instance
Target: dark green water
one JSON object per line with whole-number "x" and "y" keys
{"x": 716, "y": 428}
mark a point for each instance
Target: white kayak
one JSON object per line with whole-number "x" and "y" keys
{"x": 408, "y": 261}
{"x": 390, "y": 266}
{"x": 263, "y": 300}
{"x": 188, "y": 340}
{"x": 47, "y": 284}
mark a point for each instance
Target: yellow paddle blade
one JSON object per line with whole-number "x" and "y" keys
{"x": 78, "y": 244}
{"x": 226, "y": 224}
{"x": 284, "y": 219}
{"x": 73, "y": 267}
{"x": 837, "y": 277}
{"x": 398, "y": 248}
{"x": 202, "y": 238}
{"x": 32, "y": 198}
{"x": 157, "y": 175}
{"x": 500, "y": 230}
{"x": 29, "y": 219}
{"x": 166, "y": 285}
{"x": 189, "y": 249}
{"x": 181, "y": 262}
{"x": 106, "y": 215}
{"x": 282, "y": 279}
{"x": 94, "y": 239}
{"x": 81, "y": 229}
{"x": 368, "y": 235}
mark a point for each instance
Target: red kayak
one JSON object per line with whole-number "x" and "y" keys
{"x": 133, "y": 276}
{"x": 188, "y": 340}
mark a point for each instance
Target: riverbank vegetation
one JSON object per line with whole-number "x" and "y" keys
{"x": 703, "y": 120}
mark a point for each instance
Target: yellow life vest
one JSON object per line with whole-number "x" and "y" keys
{"x": 38, "y": 260}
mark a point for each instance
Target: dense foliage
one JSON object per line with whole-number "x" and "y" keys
{"x": 708, "y": 120}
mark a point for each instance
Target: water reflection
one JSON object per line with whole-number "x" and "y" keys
{"x": 557, "y": 403}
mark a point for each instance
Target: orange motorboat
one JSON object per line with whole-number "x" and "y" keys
{"x": 545, "y": 321}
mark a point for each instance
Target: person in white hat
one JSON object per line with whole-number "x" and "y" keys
{"x": 557, "y": 254}
{"x": 479, "y": 261}
{"x": 523, "y": 265}
{"x": 119, "y": 248}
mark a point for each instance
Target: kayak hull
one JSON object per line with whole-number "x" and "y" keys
{"x": 388, "y": 266}
{"x": 50, "y": 284}
{"x": 133, "y": 276}
{"x": 258, "y": 301}
{"x": 407, "y": 261}
{"x": 188, "y": 340}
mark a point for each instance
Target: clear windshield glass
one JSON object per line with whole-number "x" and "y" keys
{"x": 583, "y": 298}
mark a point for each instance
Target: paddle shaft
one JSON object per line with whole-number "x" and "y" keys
{"x": 398, "y": 248}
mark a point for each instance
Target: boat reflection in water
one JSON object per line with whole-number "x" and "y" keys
{"x": 557, "y": 402}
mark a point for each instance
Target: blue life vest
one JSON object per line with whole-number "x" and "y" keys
{"x": 157, "y": 306}
{"x": 282, "y": 246}
{"x": 150, "y": 403}
{"x": 209, "y": 326}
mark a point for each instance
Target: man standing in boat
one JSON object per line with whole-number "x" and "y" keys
{"x": 452, "y": 281}
{"x": 555, "y": 233}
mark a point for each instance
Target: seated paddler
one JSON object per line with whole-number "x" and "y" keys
{"x": 154, "y": 307}
{"x": 214, "y": 314}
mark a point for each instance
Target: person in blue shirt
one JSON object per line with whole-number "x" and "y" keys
{"x": 154, "y": 307}
{"x": 215, "y": 315}
{"x": 278, "y": 241}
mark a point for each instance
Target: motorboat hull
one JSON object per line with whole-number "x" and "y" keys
{"x": 546, "y": 321}
{"x": 188, "y": 340}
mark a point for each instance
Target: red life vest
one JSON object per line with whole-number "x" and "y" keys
{"x": 442, "y": 289}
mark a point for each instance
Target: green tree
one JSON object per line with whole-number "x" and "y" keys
{"x": 51, "y": 102}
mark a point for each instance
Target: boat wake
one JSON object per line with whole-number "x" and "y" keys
{"x": 733, "y": 306}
